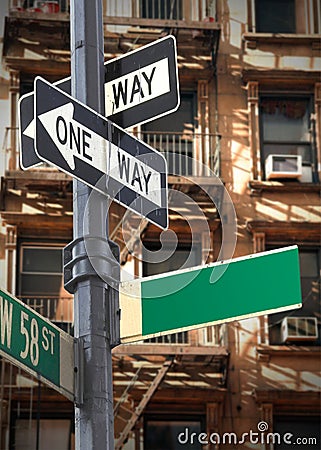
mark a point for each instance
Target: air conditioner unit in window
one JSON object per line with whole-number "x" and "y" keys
{"x": 297, "y": 329}
{"x": 283, "y": 166}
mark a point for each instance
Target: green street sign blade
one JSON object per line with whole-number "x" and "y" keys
{"x": 254, "y": 285}
{"x": 36, "y": 345}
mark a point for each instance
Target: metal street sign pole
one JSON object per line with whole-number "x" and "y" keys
{"x": 94, "y": 429}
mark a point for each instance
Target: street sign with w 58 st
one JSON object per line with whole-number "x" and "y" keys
{"x": 36, "y": 345}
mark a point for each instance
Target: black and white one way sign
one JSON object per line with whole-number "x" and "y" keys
{"x": 89, "y": 147}
{"x": 140, "y": 86}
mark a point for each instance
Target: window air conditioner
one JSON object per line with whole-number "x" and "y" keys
{"x": 283, "y": 166}
{"x": 295, "y": 329}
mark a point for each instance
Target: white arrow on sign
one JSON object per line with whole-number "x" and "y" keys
{"x": 30, "y": 130}
{"x": 75, "y": 140}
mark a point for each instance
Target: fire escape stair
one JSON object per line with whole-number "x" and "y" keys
{"x": 127, "y": 417}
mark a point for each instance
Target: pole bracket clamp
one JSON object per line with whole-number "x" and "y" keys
{"x": 90, "y": 257}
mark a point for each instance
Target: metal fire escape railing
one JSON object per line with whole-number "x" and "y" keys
{"x": 152, "y": 10}
{"x": 184, "y": 151}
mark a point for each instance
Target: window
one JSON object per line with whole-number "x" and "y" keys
{"x": 172, "y": 134}
{"x": 164, "y": 434}
{"x": 275, "y": 16}
{"x": 41, "y": 271}
{"x": 53, "y": 434}
{"x": 286, "y": 130}
{"x": 40, "y": 282}
{"x": 183, "y": 257}
{"x": 161, "y": 9}
{"x": 46, "y": 6}
{"x": 310, "y": 288}
{"x": 302, "y": 431}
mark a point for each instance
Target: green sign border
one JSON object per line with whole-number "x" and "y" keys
{"x": 48, "y": 350}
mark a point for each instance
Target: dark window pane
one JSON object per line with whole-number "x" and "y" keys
{"x": 285, "y": 119}
{"x": 40, "y": 285}
{"x": 26, "y": 86}
{"x": 309, "y": 264}
{"x": 304, "y": 427}
{"x": 181, "y": 120}
{"x": 181, "y": 258}
{"x": 289, "y": 149}
{"x": 275, "y": 16}
{"x": 164, "y": 435}
{"x": 175, "y": 338}
{"x": 161, "y": 9}
{"x": 42, "y": 260}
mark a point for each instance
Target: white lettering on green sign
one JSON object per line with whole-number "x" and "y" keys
{"x": 31, "y": 347}
{"x": 29, "y": 338}
{"x": 6, "y": 322}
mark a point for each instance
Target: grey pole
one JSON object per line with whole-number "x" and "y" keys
{"x": 94, "y": 428}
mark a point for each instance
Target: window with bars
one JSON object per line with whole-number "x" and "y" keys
{"x": 161, "y": 9}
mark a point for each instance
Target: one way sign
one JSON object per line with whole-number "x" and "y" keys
{"x": 89, "y": 147}
{"x": 140, "y": 86}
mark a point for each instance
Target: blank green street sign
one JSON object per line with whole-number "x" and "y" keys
{"x": 249, "y": 286}
{"x": 36, "y": 345}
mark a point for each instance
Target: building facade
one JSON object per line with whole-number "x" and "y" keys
{"x": 250, "y": 114}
